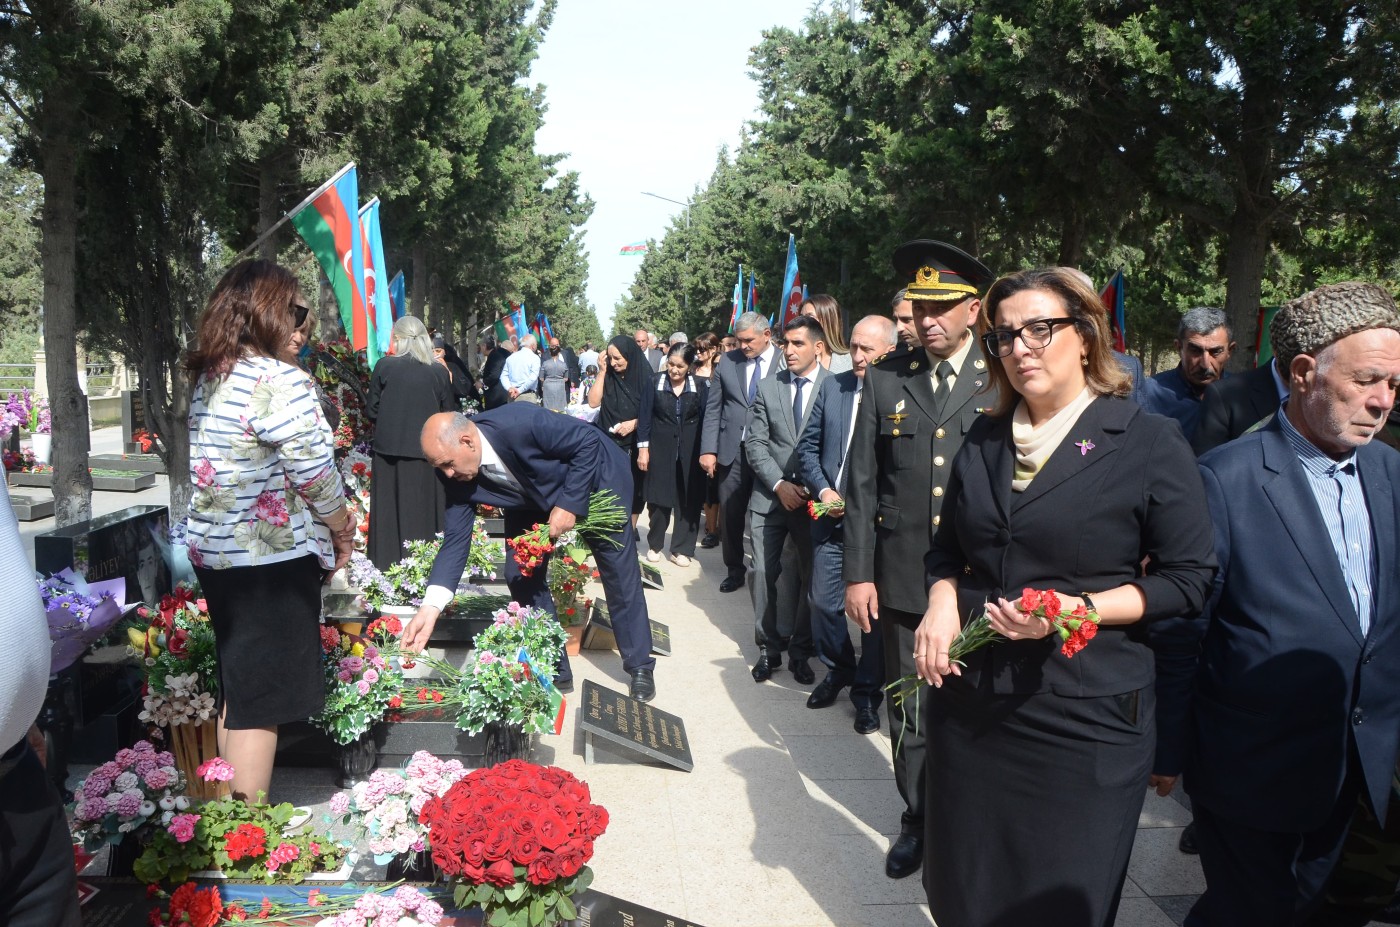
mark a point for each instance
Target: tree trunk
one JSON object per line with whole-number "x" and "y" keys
{"x": 1071, "y": 237}
{"x": 330, "y": 327}
{"x": 418, "y": 305}
{"x": 72, "y": 484}
{"x": 1244, "y": 271}
{"x": 269, "y": 178}
{"x": 436, "y": 301}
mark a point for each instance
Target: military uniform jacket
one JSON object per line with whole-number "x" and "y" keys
{"x": 899, "y": 464}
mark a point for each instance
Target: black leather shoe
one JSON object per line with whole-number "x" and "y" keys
{"x": 710, "y": 540}
{"x": 643, "y": 687}
{"x": 564, "y": 685}
{"x": 730, "y": 583}
{"x": 905, "y": 857}
{"x": 824, "y": 695}
{"x": 1187, "y": 843}
{"x": 867, "y": 720}
{"x": 802, "y": 672}
{"x": 766, "y": 667}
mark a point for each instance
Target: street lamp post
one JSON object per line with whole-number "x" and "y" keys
{"x": 685, "y": 290}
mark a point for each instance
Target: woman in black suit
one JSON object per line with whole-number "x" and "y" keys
{"x": 1039, "y": 763}
{"x": 668, "y": 449}
{"x": 407, "y": 498}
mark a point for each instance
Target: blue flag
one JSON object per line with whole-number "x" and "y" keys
{"x": 793, "y": 290}
{"x": 381, "y": 313}
{"x": 397, "y": 297}
{"x": 738, "y": 300}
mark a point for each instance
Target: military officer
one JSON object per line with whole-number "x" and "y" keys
{"x": 916, "y": 408}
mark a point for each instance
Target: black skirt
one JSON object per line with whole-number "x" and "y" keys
{"x": 406, "y": 503}
{"x": 266, "y": 629}
{"x": 1032, "y": 804}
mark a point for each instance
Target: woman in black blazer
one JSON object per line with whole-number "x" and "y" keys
{"x": 407, "y": 498}
{"x": 1038, "y": 763}
{"x": 668, "y": 449}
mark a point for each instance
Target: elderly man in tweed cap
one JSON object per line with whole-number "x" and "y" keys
{"x": 1295, "y": 713}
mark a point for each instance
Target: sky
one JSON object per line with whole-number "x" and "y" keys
{"x": 642, "y": 97}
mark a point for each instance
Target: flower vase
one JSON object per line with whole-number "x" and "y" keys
{"x": 193, "y": 745}
{"x": 42, "y": 445}
{"x": 355, "y": 760}
{"x": 575, "y": 642}
{"x": 506, "y": 741}
{"x": 412, "y": 867}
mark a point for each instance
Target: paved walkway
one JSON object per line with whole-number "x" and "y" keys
{"x": 786, "y": 818}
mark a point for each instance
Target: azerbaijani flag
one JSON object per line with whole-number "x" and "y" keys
{"x": 331, "y": 228}
{"x": 1263, "y": 348}
{"x": 752, "y": 299}
{"x": 1112, "y": 297}
{"x": 397, "y": 296}
{"x": 636, "y": 249}
{"x": 381, "y": 314}
{"x": 793, "y": 290}
{"x": 738, "y": 300}
{"x": 512, "y": 324}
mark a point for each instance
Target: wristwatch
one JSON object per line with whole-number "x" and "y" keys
{"x": 1088, "y": 602}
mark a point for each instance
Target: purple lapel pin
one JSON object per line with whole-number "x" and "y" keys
{"x": 1084, "y": 446}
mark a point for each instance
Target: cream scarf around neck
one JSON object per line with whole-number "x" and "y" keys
{"x": 1035, "y": 444}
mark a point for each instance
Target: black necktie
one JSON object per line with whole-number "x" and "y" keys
{"x": 943, "y": 371}
{"x": 753, "y": 380}
{"x": 798, "y": 382}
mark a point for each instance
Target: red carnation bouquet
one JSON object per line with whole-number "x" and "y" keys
{"x": 604, "y": 519}
{"x": 515, "y": 838}
{"x": 820, "y": 509}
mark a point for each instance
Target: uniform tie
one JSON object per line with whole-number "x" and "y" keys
{"x": 940, "y": 396}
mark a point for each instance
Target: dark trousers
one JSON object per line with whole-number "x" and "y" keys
{"x": 768, "y": 532}
{"x": 735, "y": 487}
{"x": 906, "y": 733}
{"x": 622, "y": 587}
{"x": 1258, "y": 878}
{"x": 866, "y": 677}
{"x": 38, "y": 885}
{"x": 684, "y": 534}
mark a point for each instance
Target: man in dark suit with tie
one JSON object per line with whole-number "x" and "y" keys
{"x": 721, "y": 437}
{"x": 539, "y": 467}
{"x": 915, "y": 409}
{"x": 823, "y": 449}
{"x": 1295, "y": 713}
{"x": 778, "y": 503}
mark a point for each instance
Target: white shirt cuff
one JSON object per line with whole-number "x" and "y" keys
{"x": 642, "y": 444}
{"x": 438, "y": 597}
{"x": 776, "y": 485}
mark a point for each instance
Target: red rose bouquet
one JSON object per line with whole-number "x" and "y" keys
{"x": 515, "y": 838}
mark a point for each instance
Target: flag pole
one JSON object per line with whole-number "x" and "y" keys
{"x": 291, "y": 213}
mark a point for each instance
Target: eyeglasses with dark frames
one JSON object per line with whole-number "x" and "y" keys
{"x": 1034, "y": 335}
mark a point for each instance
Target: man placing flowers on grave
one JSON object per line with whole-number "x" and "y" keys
{"x": 546, "y": 469}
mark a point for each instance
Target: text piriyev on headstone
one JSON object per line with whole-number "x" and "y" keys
{"x": 622, "y": 720}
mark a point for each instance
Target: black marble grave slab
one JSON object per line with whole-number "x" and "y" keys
{"x": 623, "y": 722}
{"x": 31, "y": 508}
{"x": 122, "y": 544}
{"x": 651, "y": 576}
{"x": 434, "y": 730}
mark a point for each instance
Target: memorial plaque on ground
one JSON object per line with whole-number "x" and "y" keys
{"x": 624, "y": 722}
{"x": 651, "y": 576}
{"x": 31, "y": 508}
{"x": 598, "y": 633}
{"x": 127, "y": 543}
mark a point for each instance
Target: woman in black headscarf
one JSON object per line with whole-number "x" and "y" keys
{"x": 624, "y": 383}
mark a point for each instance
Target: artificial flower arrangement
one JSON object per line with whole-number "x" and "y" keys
{"x": 515, "y": 839}
{"x": 356, "y": 472}
{"x": 79, "y": 613}
{"x": 485, "y": 553}
{"x": 362, "y": 678}
{"x": 239, "y": 839}
{"x": 403, "y": 583}
{"x": 386, "y": 808}
{"x": 569, "y": 574}
{"x": 139, "y": 787}
{"x": 22, "y": 462}
{"x": 508, "y": 681}
{"x": 25, "y": 410}
{"x": 383, "y": 906}
{"x": 175, "y": 644}
{"x": 605, "y": 517}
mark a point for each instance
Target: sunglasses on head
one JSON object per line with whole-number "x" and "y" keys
{"x": 299, "y": 313}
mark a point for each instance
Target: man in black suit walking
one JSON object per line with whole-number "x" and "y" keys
{"x": 738, "y": 374}
{"x": 913, "y": 414}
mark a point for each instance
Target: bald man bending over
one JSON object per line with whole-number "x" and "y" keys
{"x": 538, "y": 467}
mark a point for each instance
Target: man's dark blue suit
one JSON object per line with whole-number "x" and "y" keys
{"x": 1295, "y": 712}
{"x": 559, "y": 461}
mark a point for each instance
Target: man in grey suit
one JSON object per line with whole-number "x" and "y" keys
{"x": 778, "y": 503}
{"x": 914, "y": 411}
{"x": 721, "y": 438}
{"x": 823, "y": 450}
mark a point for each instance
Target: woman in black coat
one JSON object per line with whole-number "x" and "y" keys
{"x": 1039, "y": 762}
{"x": 407, "y": 498}
{"x": 624, "y": 379}
{"x": 668, "y": 449}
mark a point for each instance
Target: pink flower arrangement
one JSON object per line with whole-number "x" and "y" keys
{"x": 181, "y": 827}
{"x": 386, "y": 806}
{"x": 215, "y": 770}
{"x": 125, "y": 793}
{"x": 405, "y": 907}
